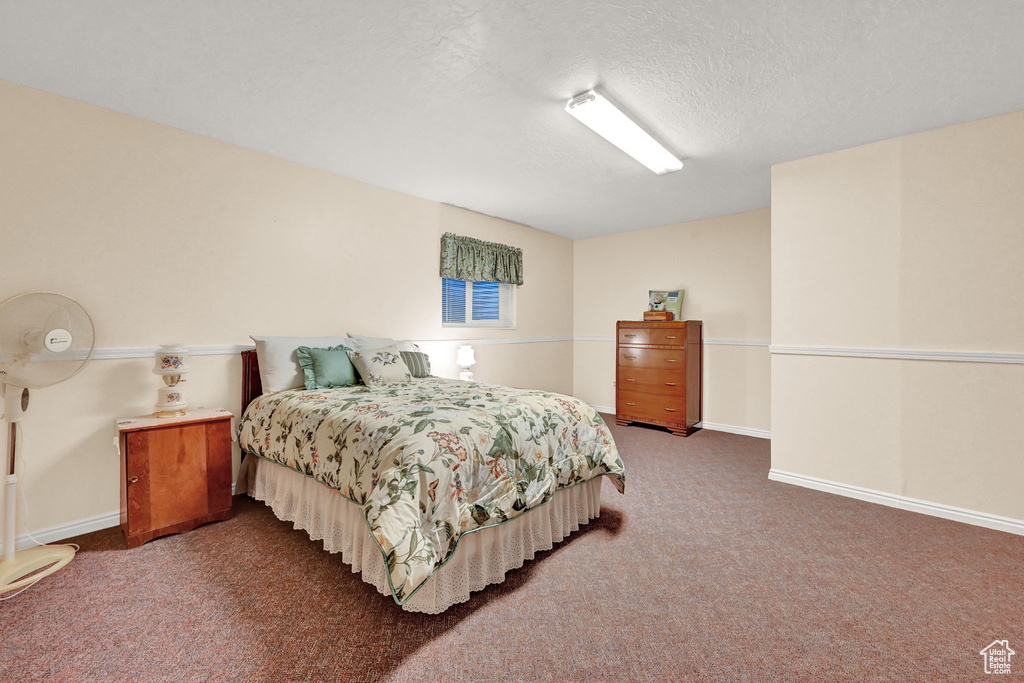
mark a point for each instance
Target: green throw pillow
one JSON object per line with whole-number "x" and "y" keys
{"x": 326, "y": 368}
{"x": 418, "y": 362}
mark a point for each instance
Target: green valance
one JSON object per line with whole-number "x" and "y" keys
{"x": 465, "y": 258}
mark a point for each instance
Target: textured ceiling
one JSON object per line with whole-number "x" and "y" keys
{"x": 461, "y": 102}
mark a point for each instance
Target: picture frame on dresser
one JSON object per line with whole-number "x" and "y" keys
{"x": 659, "y": 369}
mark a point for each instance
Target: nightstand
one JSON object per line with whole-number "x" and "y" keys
{"x": 175, "y": 473}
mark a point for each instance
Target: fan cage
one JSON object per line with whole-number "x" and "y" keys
{"x": 25, "y": 321}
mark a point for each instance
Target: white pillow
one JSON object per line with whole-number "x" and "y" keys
{"x": 380, "y": 366}
{"x": 361, "y": 342}
{"x": 279, "y": 366}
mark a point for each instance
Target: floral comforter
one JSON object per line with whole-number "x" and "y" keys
{"x": 433, "y": 459}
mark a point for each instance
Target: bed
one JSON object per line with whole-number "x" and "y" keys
{"x": 433, "y": 488}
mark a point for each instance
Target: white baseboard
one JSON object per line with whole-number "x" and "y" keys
{"x": 732, "y": 429}
{"x": 71, "y": 529}
{"x": 983, "y": 519}
{"x": 62, "y": 531}
{"x": 712, "y": 426}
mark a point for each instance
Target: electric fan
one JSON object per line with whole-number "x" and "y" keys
{"x": 45, "y": 338}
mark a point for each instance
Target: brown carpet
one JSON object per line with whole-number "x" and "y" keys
{"x": 704, "y": 570}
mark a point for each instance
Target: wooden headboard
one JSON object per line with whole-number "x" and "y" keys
{"x": 252, "y": 387}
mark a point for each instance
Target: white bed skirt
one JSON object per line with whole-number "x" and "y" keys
{"x": 482, "y": 558}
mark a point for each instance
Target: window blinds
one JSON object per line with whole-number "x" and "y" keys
{"x": 477, "y": 303}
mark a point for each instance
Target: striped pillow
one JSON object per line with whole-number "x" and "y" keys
{"x": 418, "y": 362}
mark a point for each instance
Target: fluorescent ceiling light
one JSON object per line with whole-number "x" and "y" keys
{"x": 603, "y": 118}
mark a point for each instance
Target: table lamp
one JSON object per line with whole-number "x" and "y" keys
{"x": 171, "y": 364}
{"x": 465, "y": 359}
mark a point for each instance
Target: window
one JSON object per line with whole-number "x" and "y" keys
{"x": 477, "y": 304}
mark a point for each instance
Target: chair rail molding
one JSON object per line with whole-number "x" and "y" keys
{"x": 115, "y": 352}
{"x": 708, "y": 341}
{"x": 900, "y": 354}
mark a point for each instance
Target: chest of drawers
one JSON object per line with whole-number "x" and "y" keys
{"x": 658, "y": 374}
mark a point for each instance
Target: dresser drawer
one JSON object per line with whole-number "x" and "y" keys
{"x": 648, "y": 335}
{"x": 668, "y": 408}
{"x": 655, "y": 359}
{"x": 649, "y": 381}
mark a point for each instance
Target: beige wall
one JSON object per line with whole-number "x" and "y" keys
{"x": 166, "y": 236}
{"x": 909, "y": 244}
{"x": 723, "y": 264}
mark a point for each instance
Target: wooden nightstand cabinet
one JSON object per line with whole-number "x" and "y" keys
{"x": 175, "y": 473}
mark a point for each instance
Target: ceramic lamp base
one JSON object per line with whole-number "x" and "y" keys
{"x": 466, "y": 375}
{"x": 170, "y": 402}
{"x": 171, "y": 364}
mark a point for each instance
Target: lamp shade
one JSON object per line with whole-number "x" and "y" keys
{"x": 466, "y": 357}
{"x": 171, "y": 360}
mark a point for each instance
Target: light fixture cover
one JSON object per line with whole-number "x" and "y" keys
{"x": 601, "y": 116}
{"x": 465, "y": 357}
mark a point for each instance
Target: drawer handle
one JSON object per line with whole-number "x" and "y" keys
{"x": 671, "y": 336}
{"x": 671, "y": 410}
{"x": 671, "y": 360}
{"x": 133, "y": 480}
{"x": 630, "y": 357}
{"x": 630, "y": 379}
{"x": 630, "y": 404}
{"x": 670, "y": 384}
{"x": 629, "y": 335}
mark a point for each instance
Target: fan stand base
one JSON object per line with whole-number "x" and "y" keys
{"x": 18, "y": 573}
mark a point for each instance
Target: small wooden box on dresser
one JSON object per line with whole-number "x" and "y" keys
{"x": 175, "y": 473}
{"x": 659, "y": 374}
